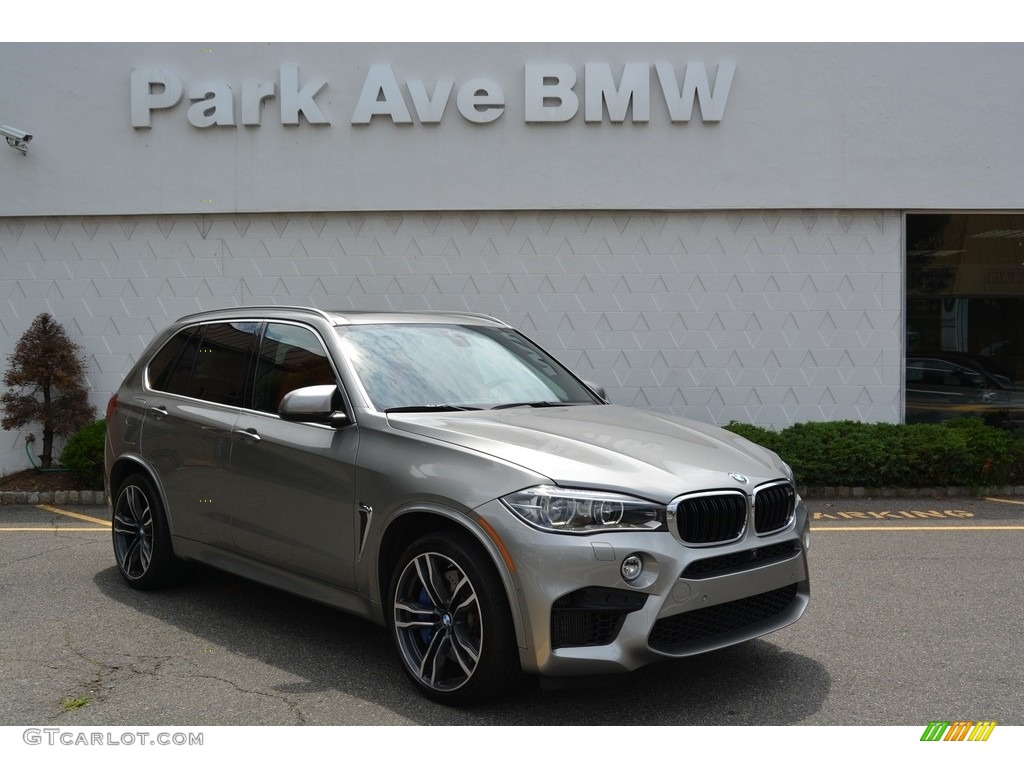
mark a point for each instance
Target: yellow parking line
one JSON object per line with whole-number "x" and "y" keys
{"x": 59, "y": 511}
{"x": 1004, "y": 501}
{"x": 917, "y": 528}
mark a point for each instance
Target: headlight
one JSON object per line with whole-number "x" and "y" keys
{"x": 566, "y": 510}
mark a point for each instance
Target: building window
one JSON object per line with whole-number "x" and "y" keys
{"x": 965, "y": 317}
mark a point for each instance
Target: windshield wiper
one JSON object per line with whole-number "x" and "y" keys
{"x": 533, "y": 404}
{"x": 431, "y": 407}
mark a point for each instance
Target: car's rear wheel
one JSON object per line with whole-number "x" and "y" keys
{"x": 451, "y": 621}
{"x": 142, "y": 540}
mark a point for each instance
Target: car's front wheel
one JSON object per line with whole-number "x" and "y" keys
{"x": 142, "y": 540}
{"x": 451, "y": 621}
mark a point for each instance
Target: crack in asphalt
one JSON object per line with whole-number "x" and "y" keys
{"x": 107, "y": 679}
{"x": 93, "y": 687}
{"x": 292, "y": 705}
{"x": 72, "y": 544}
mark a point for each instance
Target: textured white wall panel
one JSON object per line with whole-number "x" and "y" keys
{"x": 760, "y": 316}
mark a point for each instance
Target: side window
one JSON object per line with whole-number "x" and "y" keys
{"x": 915, "y": 371}
{"x": 172, "y": 365}
{"x": 208, "y": 362}
{"x": 968, "y": 379}
{"x": 290, "y": 357}
{"x": 222, "y": 362}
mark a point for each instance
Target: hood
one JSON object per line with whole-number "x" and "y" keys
{"x": 607, "y": 447}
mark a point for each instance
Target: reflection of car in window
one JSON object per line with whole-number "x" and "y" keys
{"x": 947, "y": 385}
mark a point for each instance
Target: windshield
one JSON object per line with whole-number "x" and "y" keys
{"x": 409, "y": 366}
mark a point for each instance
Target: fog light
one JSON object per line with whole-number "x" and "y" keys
{"x": 632, "y": 567}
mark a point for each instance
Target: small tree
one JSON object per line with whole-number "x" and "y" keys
{"x": 48, "y": 371}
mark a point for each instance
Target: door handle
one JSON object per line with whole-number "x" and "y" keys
{"x": 249, "y": 435}
{"x": 158, "y": 411}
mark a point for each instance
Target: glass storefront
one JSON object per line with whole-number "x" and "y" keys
{"x": 965, "y": 317}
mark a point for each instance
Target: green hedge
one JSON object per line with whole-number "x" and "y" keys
{"x": 83, "y": 454}
{"x": 962, "y": 452}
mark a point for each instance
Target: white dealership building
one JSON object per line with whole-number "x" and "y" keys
{"x": 752, "y": 232}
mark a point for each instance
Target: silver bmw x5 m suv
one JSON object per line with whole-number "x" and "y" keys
{"x": 443, "y": 476}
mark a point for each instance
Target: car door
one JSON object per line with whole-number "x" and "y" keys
{"x": 293, "y": 499}
{"x": 197, "y": 385}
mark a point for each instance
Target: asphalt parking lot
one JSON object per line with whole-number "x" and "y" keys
{"x": 916, "y": 611}
{"x": 991, "y": 512}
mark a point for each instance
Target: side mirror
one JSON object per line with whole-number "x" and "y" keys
{"x": 314, "y": 404}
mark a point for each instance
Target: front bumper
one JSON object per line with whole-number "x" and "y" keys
{"x": 580, "y": 617}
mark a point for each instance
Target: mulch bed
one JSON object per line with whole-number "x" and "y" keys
{"x": 32, "y": 480}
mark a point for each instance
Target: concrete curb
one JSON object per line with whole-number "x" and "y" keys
{"x": 89, "y": 498}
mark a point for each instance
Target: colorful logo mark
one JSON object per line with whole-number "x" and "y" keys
{"x": 958, "y": 730}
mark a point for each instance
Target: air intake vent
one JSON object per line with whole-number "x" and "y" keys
{"x": 674, "y": 633}
{"x": 592, "y": 615}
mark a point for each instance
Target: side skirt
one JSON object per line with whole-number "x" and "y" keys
{"x": 278, "y": 578}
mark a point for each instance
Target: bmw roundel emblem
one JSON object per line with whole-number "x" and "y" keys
{"x": 738, "y": 478}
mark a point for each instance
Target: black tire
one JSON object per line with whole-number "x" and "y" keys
{"x": 450, "y": 619}
{"x": 142, "y": 540}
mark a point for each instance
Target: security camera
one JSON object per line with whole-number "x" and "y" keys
{"x": 15, "y": 138}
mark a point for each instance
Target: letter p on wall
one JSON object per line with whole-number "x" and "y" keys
{"x": 153, "y": 89}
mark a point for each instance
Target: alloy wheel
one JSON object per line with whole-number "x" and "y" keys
{"x": 438, "y": 622}
{"x": 133, "y": 532}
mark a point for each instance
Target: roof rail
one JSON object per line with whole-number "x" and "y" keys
{"x": 260, "y": 308}
{"x": 424, "y": 312}
{"x": 330, "y": 315}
